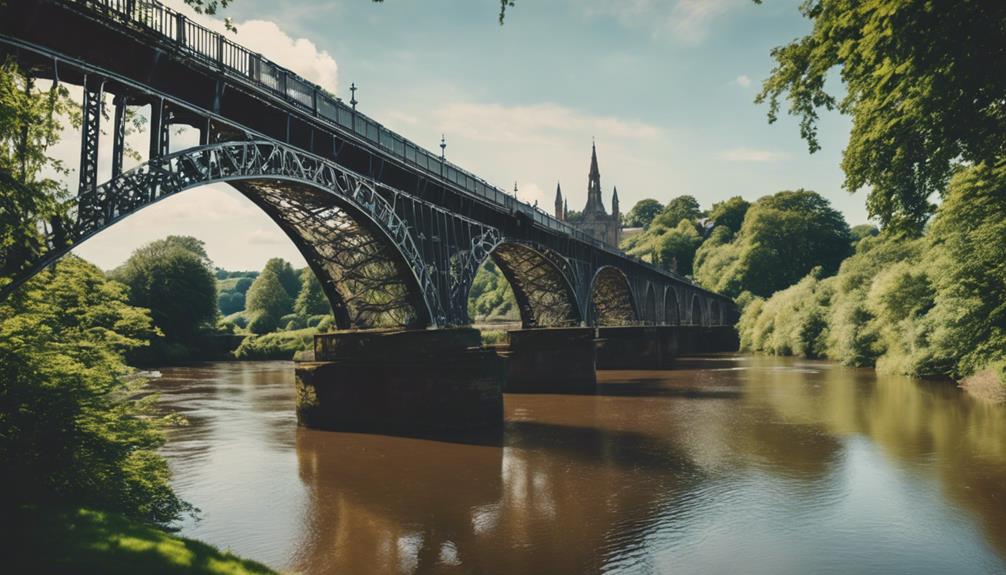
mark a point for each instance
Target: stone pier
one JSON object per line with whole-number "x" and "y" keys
{"x": 657, "y": 347}
{"x": 551, "y": 360}
{"x": 413, "y": 382}
{"x": 629, "y": 347}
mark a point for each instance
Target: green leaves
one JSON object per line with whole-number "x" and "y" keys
{"x": 71, "y": 428}
{"x": 782, "y": 238}
{"x": 643, "y": 213}
{"x": 919, "y": 88}
{"x": 173, "y": 279}
{"x": 267, "y": 301}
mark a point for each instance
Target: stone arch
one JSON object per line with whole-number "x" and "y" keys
{"x": 672, "y": 315}
{"x": 545, "y": 296}
{"x": 715, "y": 313}
{"x": 697, "y": 315}
{"x": 315, "y": 202}
{"x": 611, "y": 298}
{"x": 650, "y": 305}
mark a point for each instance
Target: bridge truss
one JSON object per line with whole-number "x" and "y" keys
{"x": 394, "y": 234}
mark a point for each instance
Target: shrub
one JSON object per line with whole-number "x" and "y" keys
{"x": 71, "y": 427}
{"x": 326, "y": 323}
{"x": 280, "y": 345}
{"x": 263, "y": 322}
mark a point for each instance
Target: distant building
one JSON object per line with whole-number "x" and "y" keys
{"x": 594, "y": 220}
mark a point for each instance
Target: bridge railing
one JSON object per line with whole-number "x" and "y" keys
{"x": 215, "y": 49}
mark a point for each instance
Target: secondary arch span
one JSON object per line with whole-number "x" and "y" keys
{"x": 650, "y": 305}
{"x": 611, "y": 298}
{"x": 696, "y": 312}
{"x": 545, "y": 296}
{"x": 671, "y": 314}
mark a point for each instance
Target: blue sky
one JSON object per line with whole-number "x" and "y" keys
{"x": 666, "y": 87}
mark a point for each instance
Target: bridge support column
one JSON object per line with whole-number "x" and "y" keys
{"x": 551, "y": 360}
{"x": 401, "y": 382}
{"x": 630, "y": 347}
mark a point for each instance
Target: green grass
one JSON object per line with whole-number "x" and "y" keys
{"x": 276, "y": 345}
{"x": 227, "y": 285}
{"x": 83, "y": 541}
{"x": 493, "y": 336}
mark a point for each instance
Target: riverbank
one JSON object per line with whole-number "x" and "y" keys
{"x": 988, "y": 384}
{"x": 55, "y": 540}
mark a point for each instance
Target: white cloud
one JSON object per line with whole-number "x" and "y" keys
{"x": 535, "y": 124}
{"x": 540, "y": 144}
{"x": 743, "y": 81}
{"x": 687, "y": 21}
{"x": 298, "y": 54}
{"x": 752, "y": 155}
{"x": 267, "y": 236}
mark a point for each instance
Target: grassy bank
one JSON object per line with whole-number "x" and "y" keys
{"x": 84, "y": 541}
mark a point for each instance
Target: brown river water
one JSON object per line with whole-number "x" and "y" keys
{"x": 731, "y": 464}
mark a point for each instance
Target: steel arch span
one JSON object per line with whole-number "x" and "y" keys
{"x": 541, "y": 284}
{"x": 394, "y": 232}
{"x": 346, "y": 226}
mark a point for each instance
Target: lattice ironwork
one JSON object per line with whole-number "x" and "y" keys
{"x": 366, "y": 279}
{"x": 118, "y": 134}
{"x": 611, "y": 299}
{"x": 465, "y": 264}
{"x": 233, "y": 162}
{"x": 544, "y": 295}
{"x": 90, "y": 135}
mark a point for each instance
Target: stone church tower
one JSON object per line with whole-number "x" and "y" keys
{"x": 595, "y": 220}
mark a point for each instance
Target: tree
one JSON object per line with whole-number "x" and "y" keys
{"x": 969, "y": 270}
{"x": 783, "y": 237}
{"x": 172, "y": 278}
{"x": 311, "y": 300}
{"x": 30, "y": 189}
{"x": 490, "y": 296}
{"x": 267, "y": 302}
{"x": 863, "y": 231}
{"x": 676, "y": 248}
{"x": 286, "y": 275}
{"x": 918, "y": 87}
{"x": 72, "y": 430}
{"x": 679, "y": 208}
{"x": 643, "y": 213}
{"x": 730, "y": 213}
{"x": 230, "y": 302}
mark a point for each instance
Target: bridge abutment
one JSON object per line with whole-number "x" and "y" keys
{"x": 401, "y": 382}
{"x": 551, "y": 360}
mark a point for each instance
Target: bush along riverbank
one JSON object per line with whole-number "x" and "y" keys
{"x": 79, "y": 540}
{"x": 931, "y": 305}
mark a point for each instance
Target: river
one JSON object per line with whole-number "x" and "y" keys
{"x": 732, "y": 464}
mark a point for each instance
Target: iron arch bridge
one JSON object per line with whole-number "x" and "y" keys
{"x": 394, "y": 233}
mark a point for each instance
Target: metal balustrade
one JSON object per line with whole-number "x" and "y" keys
{"x": 214, "y": 48}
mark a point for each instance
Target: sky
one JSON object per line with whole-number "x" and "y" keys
{"x": 665, "y": 88}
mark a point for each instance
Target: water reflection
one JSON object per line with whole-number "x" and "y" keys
{"x": 728, "y": 464}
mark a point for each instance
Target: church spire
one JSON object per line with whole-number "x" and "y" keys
{"x": 595, "y": 204}
{"x": 558, "y": 202}
{"x": 594, "y": 172}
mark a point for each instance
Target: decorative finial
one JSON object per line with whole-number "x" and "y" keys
{"x": 353, "y": 101}
{"x": 443, "y": 146}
